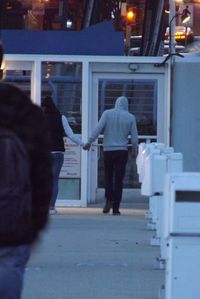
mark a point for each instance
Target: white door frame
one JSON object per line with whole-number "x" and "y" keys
{"x": 162, "y": 117}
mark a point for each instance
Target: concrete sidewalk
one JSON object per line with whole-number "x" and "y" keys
{"x": 88, "y": 255}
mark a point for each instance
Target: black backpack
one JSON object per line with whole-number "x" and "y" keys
{"x": 15, "y": 187}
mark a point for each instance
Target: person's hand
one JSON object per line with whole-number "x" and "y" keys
{"x": 86, "y": 146}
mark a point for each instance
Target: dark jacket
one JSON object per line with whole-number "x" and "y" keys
{"x": 54, "y": 120}
{"x": 27, "y": 120}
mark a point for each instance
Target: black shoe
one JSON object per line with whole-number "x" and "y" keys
{"x": 107, "y": 207}
{"x": 116, "y": 209}
{"x": 116, "y": 213}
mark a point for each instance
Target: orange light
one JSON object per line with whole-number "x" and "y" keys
{"x": 131, "y": 15}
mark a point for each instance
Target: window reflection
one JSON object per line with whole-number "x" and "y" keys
{"x": 20, "y": 78}
{"x": 63, "y": 80}
{"x": 142, "y": 97}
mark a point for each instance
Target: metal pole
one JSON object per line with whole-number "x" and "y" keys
{"x": 157, "y": 27}
{"x": 88, "y": 15}
{"x": 128, "y": 38}
{"x": 172, "y": 24}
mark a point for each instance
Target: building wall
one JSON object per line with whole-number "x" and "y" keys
{"x": 186, "y": 111}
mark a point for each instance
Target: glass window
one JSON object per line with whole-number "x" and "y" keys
{"x": 20, "y": 78}
{"x": 63, "y": 80}
{"x": 142, "y": 98}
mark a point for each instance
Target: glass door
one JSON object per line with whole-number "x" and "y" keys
{"x": 145, "y": 94}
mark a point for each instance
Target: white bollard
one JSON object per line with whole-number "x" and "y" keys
{"x": 182, "y": 233}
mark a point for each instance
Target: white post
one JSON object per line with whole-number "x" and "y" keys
{"x": 172, "y": 26}
{"x": 85, "y": 122}
{"x": 36, "y": 82}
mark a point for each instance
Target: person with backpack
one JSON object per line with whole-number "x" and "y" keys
{"x": 59, "y": 127}
{"x": 25, "y": 183}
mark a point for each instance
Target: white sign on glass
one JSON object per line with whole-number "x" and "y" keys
{"x": 72, "y": 160}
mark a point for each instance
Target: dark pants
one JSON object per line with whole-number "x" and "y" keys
{"x": 13, "y": 260}
{"x": 114, "y": 167}
{"x": 57, "y": 162}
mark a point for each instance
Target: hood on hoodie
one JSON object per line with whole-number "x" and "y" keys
{"x": 121, "y": 103}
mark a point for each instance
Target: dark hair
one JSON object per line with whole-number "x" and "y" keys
{"x": 48, "y": 105}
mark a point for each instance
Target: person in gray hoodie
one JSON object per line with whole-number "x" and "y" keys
{"x": 116, "y": 124}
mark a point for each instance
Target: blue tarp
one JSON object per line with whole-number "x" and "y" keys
{"x": 99, "y": 39}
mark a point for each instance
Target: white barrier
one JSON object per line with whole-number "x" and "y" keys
{"x": 174, "y": 199}
{"x": 144, "y": 150}
{"x": 182, "y": 232}
{"x": 157, "y": 160}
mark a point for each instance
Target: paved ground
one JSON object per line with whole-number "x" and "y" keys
{"x": 85, "y": 254}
